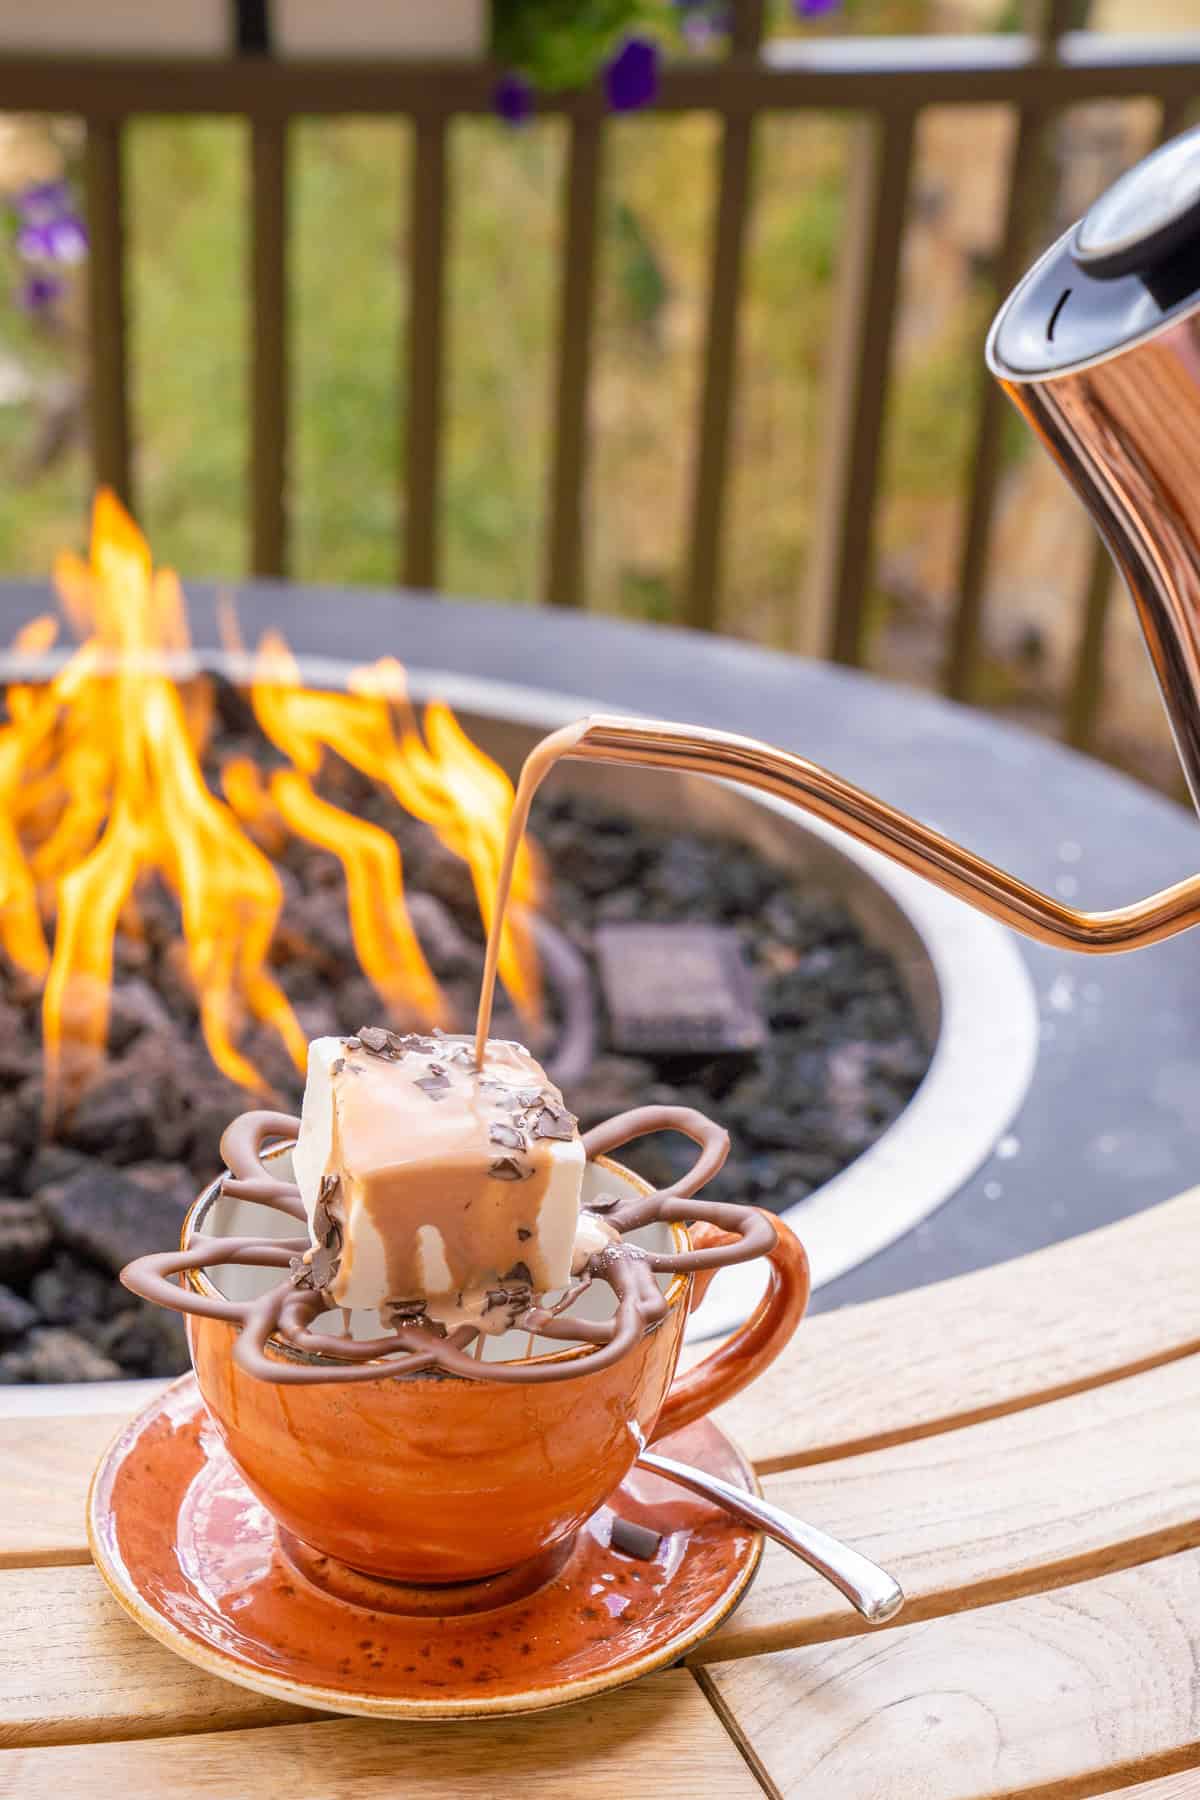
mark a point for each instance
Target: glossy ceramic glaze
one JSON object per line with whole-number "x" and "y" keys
{"x": 201, "y": 1565}
{"x": 433, "y": 1478}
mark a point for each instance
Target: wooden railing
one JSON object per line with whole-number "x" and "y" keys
{"x": 887, "y": 82}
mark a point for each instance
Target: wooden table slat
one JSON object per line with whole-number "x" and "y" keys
{"x": 48, "y": 1466}
{"x": 1061, "y": 1694}
{"x": 1017, "y": 1505}
{"x": 1013, "y": 1335}
{"x": 1184, "y": 1786}
{"x": 649, "y": 1739}
{"x": 75, "y": 1668}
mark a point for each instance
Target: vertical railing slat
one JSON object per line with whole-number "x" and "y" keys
{"x": 1048, "y": 19}
{"x": 563, "y": 579}
{"x": 269, "y": 347}
{"x": 710, "y": 480}
{"x": 425, "y": 351}
{"x": 1086, "y": 689}
{"x": 841, "y": 561}
{"x": 1026, "y": 195}
{"x": 109, "y": 369}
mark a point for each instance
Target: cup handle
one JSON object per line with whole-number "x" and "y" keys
{"x": 742, "y": 1357}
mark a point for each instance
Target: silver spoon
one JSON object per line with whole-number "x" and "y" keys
{"x": 876, "y": 1594}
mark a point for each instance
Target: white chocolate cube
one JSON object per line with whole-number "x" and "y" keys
{"x": 449, "y": 1186}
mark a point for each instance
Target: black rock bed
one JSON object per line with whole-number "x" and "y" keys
{"x": 843, "y": 1056}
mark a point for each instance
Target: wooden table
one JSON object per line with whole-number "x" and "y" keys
{"x": 1020, "y": 1446}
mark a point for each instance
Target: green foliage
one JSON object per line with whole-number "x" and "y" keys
{"x": 562, "y": 43}
{"x": 640, "y": 269}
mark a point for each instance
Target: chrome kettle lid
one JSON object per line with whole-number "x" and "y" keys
{"x": 1129, "y": 265}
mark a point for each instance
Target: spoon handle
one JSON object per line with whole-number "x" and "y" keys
{"x": 876, "y": 1594}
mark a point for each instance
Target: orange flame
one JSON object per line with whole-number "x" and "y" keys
{"x": 442, "y": 778}
{"x": 101, "y": 787}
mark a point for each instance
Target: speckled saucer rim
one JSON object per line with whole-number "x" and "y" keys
{"x": 226, "y": 1667}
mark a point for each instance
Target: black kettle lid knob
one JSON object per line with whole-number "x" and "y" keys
{"x": 1149, "y": 213}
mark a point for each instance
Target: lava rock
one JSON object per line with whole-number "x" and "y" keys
{"x": 121, "y": 1117}
{"x": 448, "y": 949}
{"x": 322, "y": 919}
{"x": 144, "y": 1340}
{"x": 109, "y": 1218}
{"x": 16, "y": 1315}
{"x": 614, "y": 1085}
{"x": 448, "y": 877}
{"x": 26, "y": 1240}
{"x": 51, "y": 1165}
{"x": 171, "y": 1181}
{"x": 56, "y": 1355}
{"x": 14, "y": 1043}
{"x": 795, "y": 997}
{"x": 135, "y": 1008}
{"x": 210, "y": 1113}
{"x": 71, "y": 1292}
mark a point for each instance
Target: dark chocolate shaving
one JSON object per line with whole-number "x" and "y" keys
{"x": 519, "y": 1272}
{"x": 394, "y": 1313}
{"x": 507, "y": 1168}
{"x": 603, "y": 1203}
{"x": 508, "y": 1135}
{"x": 519, "y": 1297}
{"x": 329, "y": 1186}
{"x": 381, "y": 1042}
{"x": 554, "y": 1125}
{"x": 335, "y": 1068}
{"x": 436, "y": 1086}
{"x": 325, "y": 1260}
{"x": 635, "y": 1540}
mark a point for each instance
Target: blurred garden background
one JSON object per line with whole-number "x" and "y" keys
{"x": 189, "y": 324}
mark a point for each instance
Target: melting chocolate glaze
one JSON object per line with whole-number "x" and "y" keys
{"x": 276, "y": 1340}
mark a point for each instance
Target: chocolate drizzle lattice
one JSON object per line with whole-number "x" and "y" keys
{"x": 276, "y": 1340}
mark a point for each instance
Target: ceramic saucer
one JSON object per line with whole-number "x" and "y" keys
{"x": 200, "y": 1564}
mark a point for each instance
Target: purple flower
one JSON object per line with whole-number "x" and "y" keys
{"x": 698, "y": 31}
{"x": 45, "y": 200}
{"x": 38, "y": 293}
{"x": 814, "y": 9}
{"x": 61, "y": 240}
{"x": 631, "y": 78}
{"x": 67, "y": 238}
{"x": 512, "y": 99}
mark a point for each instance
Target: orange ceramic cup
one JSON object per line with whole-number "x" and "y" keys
{"x": 432, "y": 1478}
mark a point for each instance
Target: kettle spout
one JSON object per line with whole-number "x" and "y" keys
{"x": 699, "y": 750}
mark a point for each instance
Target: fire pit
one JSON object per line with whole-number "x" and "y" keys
{"x": 197, "y": 947}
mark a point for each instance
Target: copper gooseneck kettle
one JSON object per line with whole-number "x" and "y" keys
{"x": 1099, "y": 347}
